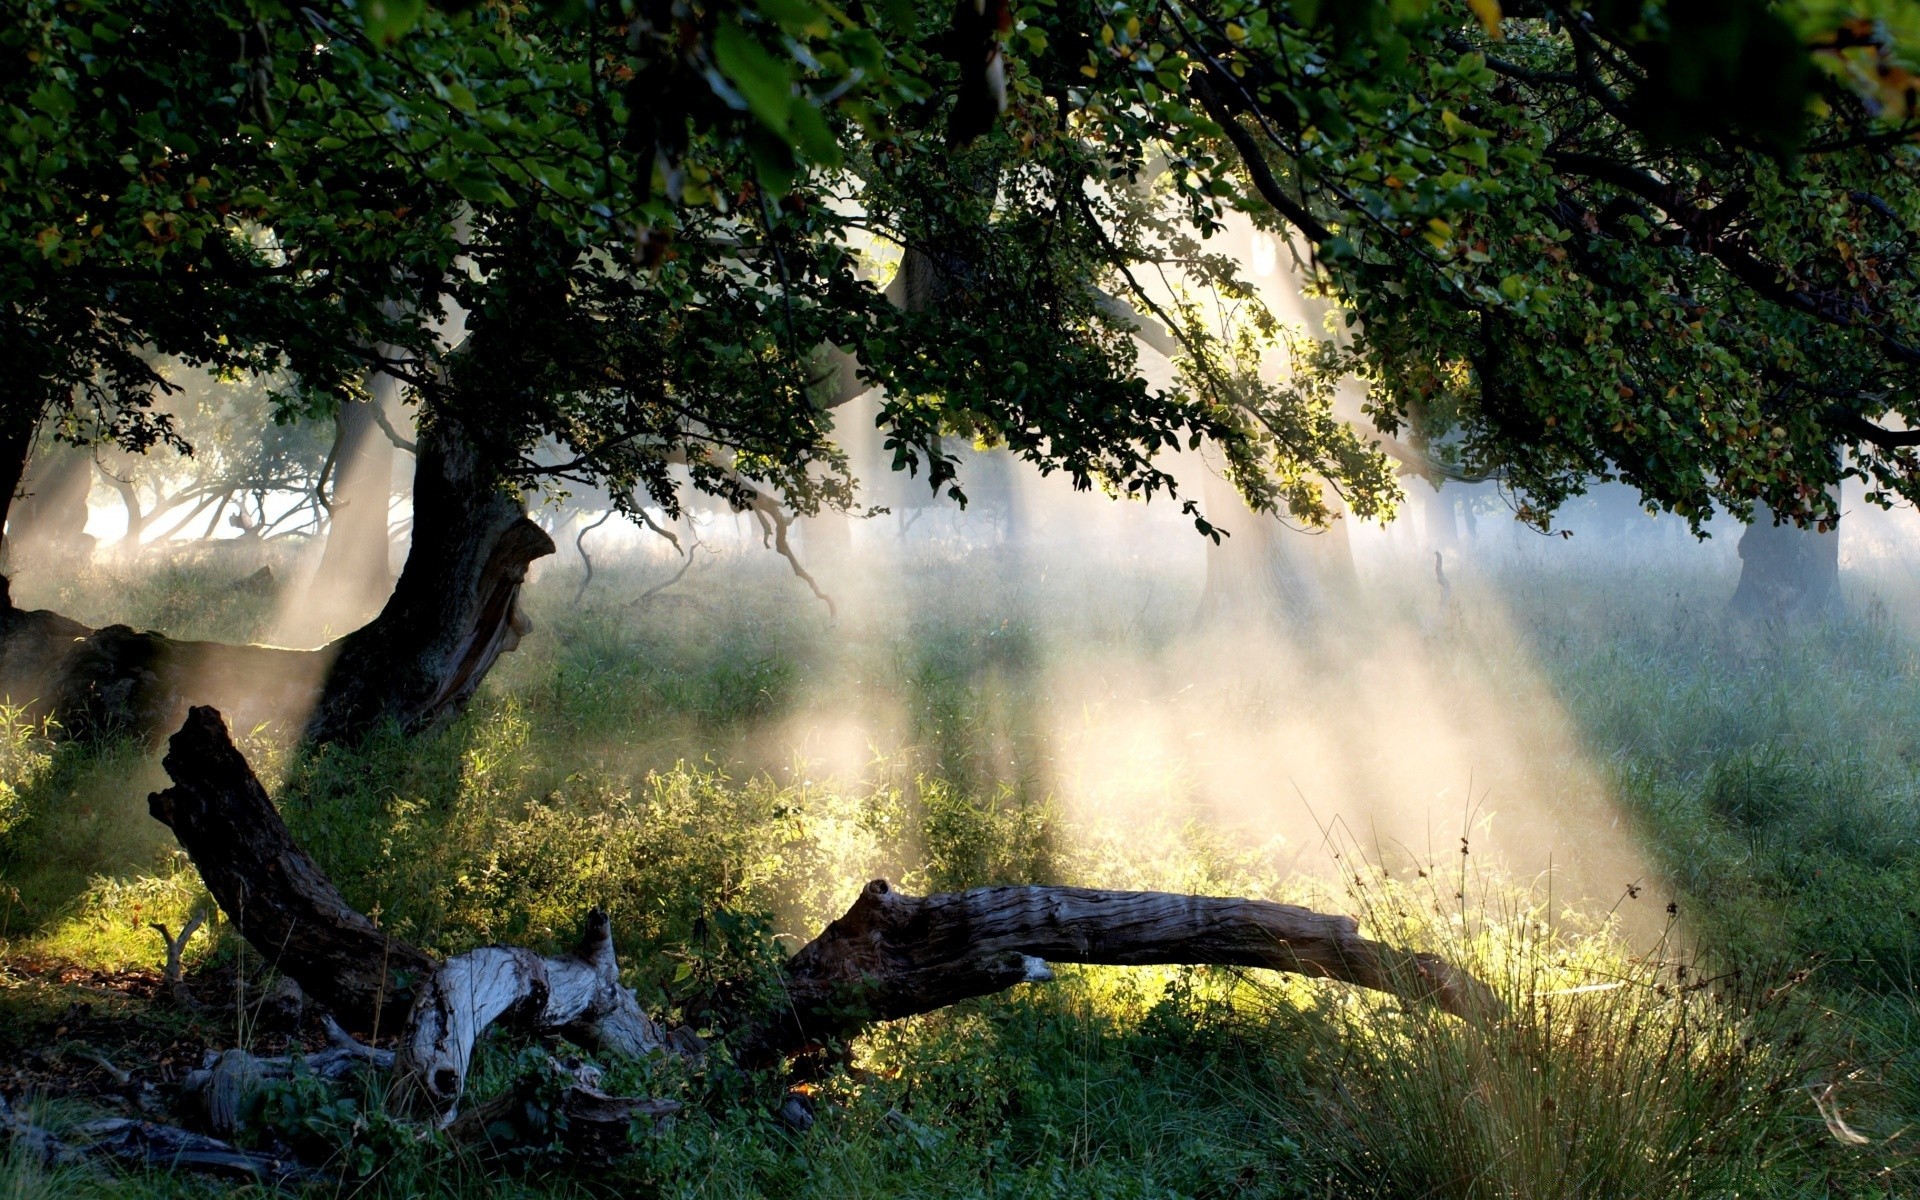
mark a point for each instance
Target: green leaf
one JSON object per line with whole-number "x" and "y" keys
{"x": 387, "y": 21}
{"x": 765, "y": 82}
{"x": 799, "y": 18}
{"x": 811, "y": 134}
{"x": 773, "y": 161}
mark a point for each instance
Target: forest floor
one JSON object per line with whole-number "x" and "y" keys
{"x": 1687, "y": 853}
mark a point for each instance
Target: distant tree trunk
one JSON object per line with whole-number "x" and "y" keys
{"x": 1268, "y": 571}
{"x": 1786, "y": 573}
{"x": 19, "y": 422}
{"x": 355, "y": 560}
{"x": 455, "y": 608}
{"x": 136, "y": 516}
{"x": 49, "y": 520}
{"x": 1436, "y": 510}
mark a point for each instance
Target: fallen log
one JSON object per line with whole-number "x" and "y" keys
{"x": 891, "y": 955}
{"x": 144, "y": 1143}
{"x": 283, "y": 904}
{"x": 95, "y": 683}
{"x": 577, "y": 995}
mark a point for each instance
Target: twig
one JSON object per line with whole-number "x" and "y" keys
{"x": 580, "y": 544}
{"x": 174, "y": 973}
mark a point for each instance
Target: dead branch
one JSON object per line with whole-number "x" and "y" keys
{"x": 173, "y": 974}
{"x": 219, "y": 1094}
{"x": 587, "y": 1121}
{"x": 144, "y": 1143}
{"x": 580, "y": 544}
{"x": 282, "y": 903}
{"x": 578, "y": 994}
{"x": 893, "y": 955}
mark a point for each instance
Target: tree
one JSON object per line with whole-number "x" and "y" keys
{"x": 647, "y": 218}
{"x": 1568, "y": 274}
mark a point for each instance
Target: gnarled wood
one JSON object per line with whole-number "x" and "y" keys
{"x": 894, "y": 955}
{"x": 890, "y": 956}
{"x": 144, "y": 1143}
{"x": 455, "y": 608}
{"x": 285, "y": 906}
{"x": 578, "y": 994}
{"x": 453, "y": 613}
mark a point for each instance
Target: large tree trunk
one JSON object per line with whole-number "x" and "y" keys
{"x": 455, "y": 608}
{"x": 452, "y": 614}
{"x": 1786, "y": 573}
{"x": 19, "y": 423}
{"x": 1266, "y": 571}
{"x": 354, "y": 567}
{"x": 890, "y": 956}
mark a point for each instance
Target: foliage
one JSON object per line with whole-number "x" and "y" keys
{"x": 1569, "y": 252}
{"x": 1117, "y": 1082}
{"x": 1566, "y": 249}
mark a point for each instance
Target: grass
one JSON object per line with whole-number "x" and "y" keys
{"x": 726, "y": 764}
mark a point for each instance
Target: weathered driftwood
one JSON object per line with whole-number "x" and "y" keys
{"x": 282, "y": 903}
{"x": 578, "y": 995}
{"x": 144, "y": 1143}
{"x": 890, "y": 956}
{"x": 219, "y": 1096}
{"x": 894, "y": 955}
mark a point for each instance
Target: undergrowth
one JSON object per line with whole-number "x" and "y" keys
{"x": 676, "y": 763}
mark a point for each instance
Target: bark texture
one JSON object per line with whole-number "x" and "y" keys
{"x": 1786, "y": 573}
{"x": 455, "y": 608}
{"x": 890, "y": 956}
{"x": 120, "y": 681}
{"x": 284, "y": 905}
{"x": 893, "y": 955}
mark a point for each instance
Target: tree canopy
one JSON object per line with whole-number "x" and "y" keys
{"x": 1666, "y": 243}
